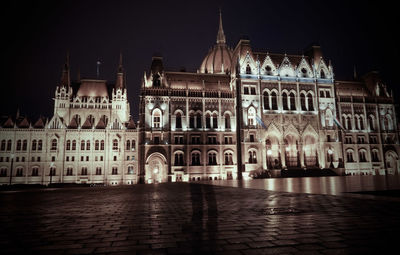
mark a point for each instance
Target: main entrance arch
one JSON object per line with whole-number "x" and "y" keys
{"x": 156, "y": 168}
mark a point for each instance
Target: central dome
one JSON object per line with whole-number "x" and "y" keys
{"x": 219, "y": 58}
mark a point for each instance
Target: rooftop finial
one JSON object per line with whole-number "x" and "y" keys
{"x": 120, "y": 68}
{"x": 65, "y": 79}
{"x": 221, "y": 35}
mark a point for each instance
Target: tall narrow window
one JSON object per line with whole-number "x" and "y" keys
{"x": 251, "y": 116}
{"x": 3, "y": 145}
{"x": 54, "y": 144}
{"x": 178, "y": 120}
{"x": 215, "y": 120}
{"x": 285, "y": 101}
{"x": 133, "y": 145}
{"x": 310, "y": 102}
{"x": 128, "y": 145}
{"x": 191, "y": 120}
{"x": 292, "y": 101}
{"x": 371, "y": 122}
{"x": 24, "y": 145}
{"x": 195, "y": 159}
{"x": 115, "y": 145}
{"x": 88, "y": 145}
{"x": 82, "y": 145}
{"x": 303, "y": 102}
{"x": 227, "y": 121}
{"x": 248, "y": 69}
{"x": 96, "y": 145}
{"x": 208, "y": 121}
{"x": 266, "y": 100}
{"x": 73, "y": 145}
{"x": 198, "y": 120}
{"x": 9, "y": 145}
{"x": 102, "y": 145}
{"x": 19, "y": 144}
{"x": 34, "y": 145}
{"x": 274, "y": 101}
{"x": 156, "y": 118}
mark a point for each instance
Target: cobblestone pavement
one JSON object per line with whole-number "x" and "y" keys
{"x": 184, "y": 218}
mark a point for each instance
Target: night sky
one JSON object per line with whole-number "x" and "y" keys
{"x": 37, "y": 36}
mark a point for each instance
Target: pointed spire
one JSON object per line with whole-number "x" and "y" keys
{"x": 65, "y": 78}
{"x": 221, "y": 36}
{"x": 354, "y": 72}
{"x": 120, "y": 74}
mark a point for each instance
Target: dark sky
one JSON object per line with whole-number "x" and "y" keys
{"x": 38, "y": 34}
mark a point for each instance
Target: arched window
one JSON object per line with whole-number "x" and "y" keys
{"x": 251, "y": 116}
{"x": 198, "y": 120}
{"x": 228, "y": 158}
{"x": 68, "y": 145}
{"x": 178, "y": 121}
{"x": 156, "y": 118}
{"x": 292, "y": 99}
{"x": 328, "y": 118}
{"x": 3, "y": 145}
{"x": 349, "y": 156}
{"x": 208, "y": 120}
{"x": 248, "y": 69}
{"x": 227, "y": 121}
{"x": 115, "y": 145}
{"x": 40, "y": 145}
{"x": 303, "y": 102}
{"x": 215, "y": 120}
{"x": 304, "y": 73}
{"x": 102, "y": 145}
{"x": 268, "y": 70}
{"x": 285, "y": 101}
{"x": 252, "y": 157}
{"x": 73, "y": 145}
{"x": 361, "y": 123}
{"x": 195, "y": 158}
{"x": 266, "y": 100}
{"x": 156, "y": 80}
{"x": 25, "y": 145}
{"x": 96, "y": 145}
{"x": 128, "y": 145}
{"x": 375, "y": 155}
{"x": 19, "y": 144}
{"x": 191, "y": 120}
{"x": 310, "y": 102}
{"x": 348, "y": 123}
{"x": 371, "y": 121}
{"x": 212, "y": 158}
{"x": 274, "y": 100}
{"x": 179, "y": 158}
{"x": 34, "y": 145}
{"x": 88, "y": 145}
{"x": 82, "y": 145}
{"x": 361, "y": 155}
{"x": 133, "y": 145}
{"x": 53, "y": 144}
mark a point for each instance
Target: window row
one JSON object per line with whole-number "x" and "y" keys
{"x": 196, "y": 159}
{"x": 270, "y": 101}
{"x": 362, "y": 155}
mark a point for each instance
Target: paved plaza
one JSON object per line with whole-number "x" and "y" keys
{"x": 185, "y": 218}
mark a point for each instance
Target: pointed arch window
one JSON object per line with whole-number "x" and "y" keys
{"x": 82, "y": 145}
{"x": 371, "y": 121}
{"x": 191, "y": 120}
{"x": 292, "y": 100}
{"x": 266, "y": 100}
{"x": 268, "y": 70}
{"x": 285, "y": 101}
{"x": 115, "y": 145}
{"x": 208, "y": 120}
{"x": 212, "y": 158}
{"x": 88, "y": 145}
{"x": 228, "y": 158}
{"x": 215, "y": 121}
{"x": 362, "y": 156}
{"x": 303, "y": 102}
{"x": 310, "y": 102}
{"x": 24, "y": 145}
{"x": 322, "y": 74}
{"x": 19, "y": 144}
{"x": 274, "y": 101}
{"x": 227, "y": 121}
{"x": 96, "y": 145}
{"x": 198, "y": 120}
{"x": 128, "y": 145}
{"x": 252, "y": 157}
{"x": 195, "y": 158}
{"x": 178, "y": 121}
{"x": 73, "y": 145}
{"x": 68, "y": 145}
{"x": 179, "y": 159}
{"x": 102, "y": 145}
{"x": 349, "y": 156}
{"x": 40, "y": 145}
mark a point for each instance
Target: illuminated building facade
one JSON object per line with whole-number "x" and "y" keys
{"x": 243, "y": 113}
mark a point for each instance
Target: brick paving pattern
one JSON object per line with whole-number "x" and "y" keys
{"x": 186, "y": 218}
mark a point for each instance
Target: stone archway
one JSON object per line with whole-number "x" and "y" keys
{"x": 156, "y": 169}
{"x": 392, "y": 162}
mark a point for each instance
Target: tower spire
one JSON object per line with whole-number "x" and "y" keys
{"x": 120, "y": 74}
{"x": 120, "y": 67}
{"x": 221, "y": 36}
{"x": 65, "y": 78}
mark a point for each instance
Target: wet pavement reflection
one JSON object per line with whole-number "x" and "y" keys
{"x": 332, "y": 185}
